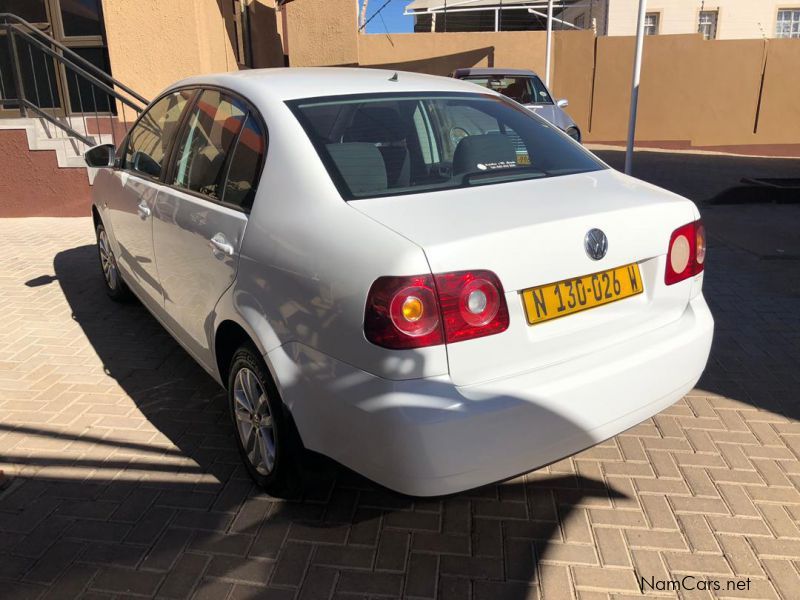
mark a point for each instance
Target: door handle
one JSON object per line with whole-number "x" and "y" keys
{"x": 219, "y": 243}
{"x": 144, "y": 210}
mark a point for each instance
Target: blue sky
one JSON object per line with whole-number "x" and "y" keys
{"x": 392, "y": 16}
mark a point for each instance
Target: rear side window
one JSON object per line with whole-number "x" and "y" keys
{"x": 391, "y": 144}
{"x": 202, "y": 157}
{"x": 150, "y": 137}
{"x": 245, "y": 165}
{"x": 540, "y": 93}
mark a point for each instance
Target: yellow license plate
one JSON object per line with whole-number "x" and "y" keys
{"x": 563, "y": 298}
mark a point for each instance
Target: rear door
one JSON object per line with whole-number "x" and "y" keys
{"x": 201, "y": 215}
{"x": 131, "y": 197}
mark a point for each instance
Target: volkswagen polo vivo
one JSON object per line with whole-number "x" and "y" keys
{"x": 418, "y": 278}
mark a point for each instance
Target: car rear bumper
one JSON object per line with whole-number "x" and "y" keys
{"x": 428, "y": 437}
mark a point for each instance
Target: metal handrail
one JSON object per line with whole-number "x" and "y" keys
{"x": 49, "y": 51}
{"x": 51, "y": 119}
{"x": 98, "y": 72}
{"x": 67, "y": 63}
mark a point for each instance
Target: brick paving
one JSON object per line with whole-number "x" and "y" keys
{"x": 123, "y": 478}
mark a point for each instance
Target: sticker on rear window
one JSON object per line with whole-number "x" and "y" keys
{"x": 503, "y": 164}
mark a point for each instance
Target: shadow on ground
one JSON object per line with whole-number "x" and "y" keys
{"x": 706, "y": 178}
{"x": 752, "y": 281}
{"x": 177, "y": 515}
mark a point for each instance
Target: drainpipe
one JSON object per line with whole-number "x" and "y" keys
{"x": 285, "y": 34}
{"x": 637, "y": 72}
{"x": 549, "y": 46}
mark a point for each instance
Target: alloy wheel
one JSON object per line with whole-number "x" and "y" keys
{"x": 107, "y": 260}
{"x": 254, "y": 422}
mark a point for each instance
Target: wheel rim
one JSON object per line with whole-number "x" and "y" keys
{"x": 254, "y": 422}
{"x": 107, "y": 260}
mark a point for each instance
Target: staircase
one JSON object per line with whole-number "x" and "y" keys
{"x": 42, "y": 135}
{"x": 99, "y": 108}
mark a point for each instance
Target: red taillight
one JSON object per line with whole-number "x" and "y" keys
{"x": 425, "y": 310}
{"x": 687, "y": 252}
{"x": 402, "y": 312}
{"x": 472, "y": 303}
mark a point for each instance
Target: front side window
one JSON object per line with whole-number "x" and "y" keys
{"x": 788, "y": 23}
{"x": 202, "y": 157}
{"x": 651, "y": 24}
{"x": 707, "y": 24}
{"x": 391, "y": 144}
{"x": 149, "y": 139}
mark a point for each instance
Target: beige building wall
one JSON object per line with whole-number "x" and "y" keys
{"x": 322, "y": 32}
{"x": 152, "y": 43}
{"x": 442, "y": 53}
{"x": 737, "y": 19}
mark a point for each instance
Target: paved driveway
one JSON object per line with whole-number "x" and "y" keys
{"x": 125, "y": 481}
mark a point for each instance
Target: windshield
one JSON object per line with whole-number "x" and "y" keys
{"x": 525, "y": 89}
{"x": 391, "y": 144}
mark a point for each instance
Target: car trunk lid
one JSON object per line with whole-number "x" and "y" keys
{"x": 531, "y": 233}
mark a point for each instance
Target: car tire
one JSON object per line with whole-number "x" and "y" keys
{"x": 268, "y": 443}
{"x": 116, "y": 288}
{"x": 574, "y": 133}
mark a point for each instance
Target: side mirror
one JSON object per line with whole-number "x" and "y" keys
{"x": 145, "y": 164}
{"x": 100, "y": 156}
{"x": 563, "y": 103}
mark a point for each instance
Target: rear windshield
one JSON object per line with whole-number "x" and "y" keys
{"x": 524, "y": 89}
{"x": 391, "y": 144}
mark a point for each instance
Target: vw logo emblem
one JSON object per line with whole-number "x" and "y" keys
{"x": 596, "y": 244}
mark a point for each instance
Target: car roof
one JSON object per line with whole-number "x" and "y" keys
{"x": 492, "y": 71}
{"x": 311, "y": 82}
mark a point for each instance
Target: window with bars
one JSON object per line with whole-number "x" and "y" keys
{"x": 707, "y": 24}
{"x": 788, "y": 23}
{"x": 651, "y": 24}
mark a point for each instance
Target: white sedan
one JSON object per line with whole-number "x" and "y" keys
{"x": 419, "y": 279}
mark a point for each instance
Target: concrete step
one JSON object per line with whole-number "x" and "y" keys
{"x": 43, "y": 135}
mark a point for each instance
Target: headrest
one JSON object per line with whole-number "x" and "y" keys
{"x": 484, "y": 153}
{"x": 375, "y": 124}
{"x": 361, "y": 166}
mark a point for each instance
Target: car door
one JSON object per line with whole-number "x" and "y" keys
{"x": 200, "y": 217}
{"x": 136, "y": 185}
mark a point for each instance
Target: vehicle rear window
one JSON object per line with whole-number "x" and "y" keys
{"x": 523, "y": 89}
{"x": 392, "y": 144}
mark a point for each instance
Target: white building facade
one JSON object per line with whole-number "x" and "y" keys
{"x": 715, "y": 19}
{"x": 718, "y": 19}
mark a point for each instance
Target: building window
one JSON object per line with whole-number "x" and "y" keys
{"x": 651, "y": 24}
{"x": 707, "y": 25}
{"x": 788, "y": 23}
